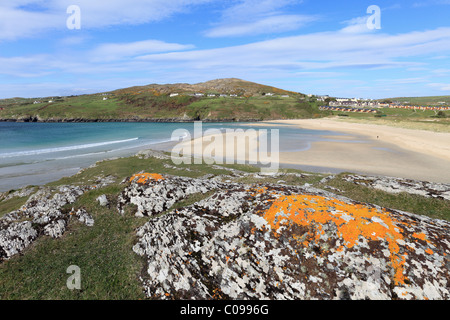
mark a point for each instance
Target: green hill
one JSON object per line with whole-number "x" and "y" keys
{"x": 425, "y": 101}
{"x": 216, "y": 100}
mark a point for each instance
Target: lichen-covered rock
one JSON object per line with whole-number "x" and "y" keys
{"x": 279, "y": 242}
{"x": 398, "y": 185}
{"x": 84, "y": 217}
{"x": 153, "y": 194}
{"x": 102, "y": 200}
{"x": 24, "y": 192}
{"x": 55, "y": 229}
{"x": 16, "y": 237}
{"x": 41, "y": 214}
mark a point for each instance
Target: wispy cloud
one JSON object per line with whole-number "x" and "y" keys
{"x": 266, "y": 25}
{"x": 252, "y": 17}
{"x": 307, "y": 51}
{"x": 26, "y": 18}
{"x": 440, "y": 86}
{"x": 289, "y": 55}
{"x": 357, "y": 25}
{"x": 118, "y": 51}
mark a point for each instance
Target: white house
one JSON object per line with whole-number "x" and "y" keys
{"x": 174, "y": 95}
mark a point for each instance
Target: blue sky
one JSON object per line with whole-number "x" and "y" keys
{"x": 309, "y": 46}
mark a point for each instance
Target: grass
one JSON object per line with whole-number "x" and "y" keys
{"x": 12, "y": 204}
{"x": 401, "y": 118}
{"x": 432, "y": 100}
{"x": 109, "y": 268}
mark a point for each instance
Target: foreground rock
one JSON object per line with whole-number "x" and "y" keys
{"x": 161, "y": 196}
{"x": 279, "y": 242}
{"x": 42, "y": 214}
{"x": 399, "y": 185}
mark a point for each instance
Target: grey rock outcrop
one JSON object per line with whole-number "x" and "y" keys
{"x": 278, "y": 242}
{"x": 162, "y": 194}
{"x": 398, "y": 185}
{"x": 16, "y": 237}
{"x": 41, "y": 215}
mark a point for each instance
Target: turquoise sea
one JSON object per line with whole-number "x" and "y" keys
{"x": 38, "y": 153}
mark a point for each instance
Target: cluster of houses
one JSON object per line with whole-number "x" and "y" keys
{"x": 346, "y": 109}
{"x": 370, "y": 106}
{"x": 442, "y": 108}
{"x": 38, "y": 101}
{"x": 355, "y": 103}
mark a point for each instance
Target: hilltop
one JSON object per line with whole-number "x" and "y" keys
{"x": 217, "y": 100}
{"x": 218, "y": 86}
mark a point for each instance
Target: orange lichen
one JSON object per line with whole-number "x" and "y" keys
{"x": 420, "y": 236}
{"x": 351, "y": 220}
{"x": 256, "y": 191}
{"x": 145, "y": 177}
{"x": 429, "y": 251}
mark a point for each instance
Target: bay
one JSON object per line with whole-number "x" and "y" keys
{"x": 38, "y": 153}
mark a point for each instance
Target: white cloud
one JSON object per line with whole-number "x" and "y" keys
{"x": 15, "y": 23}
{"x": 318, "y": 51}
{"x": 117, "y": 51}
{"x": 25, "y": 66}
{"x": 357, "y": 25}
{"x": 254, "y": 17}
{"x": 26, "y": 18}
{"x": 315, "y": 52}
{"x": 272, "y": 24}
{"x": 244, "y": 9}
{"x": 440, "y": 86}
{"x": 402, "y": 81}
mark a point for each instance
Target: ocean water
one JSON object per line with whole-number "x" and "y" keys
{"x": 38, "y": 153}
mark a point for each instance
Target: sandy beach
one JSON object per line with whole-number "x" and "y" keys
{"x": 386, "y": 151}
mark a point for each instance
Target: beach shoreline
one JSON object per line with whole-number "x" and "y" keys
{"x": 357, "y": 148}
{"x": 421, "y": 141}
{"x": 367, "y": 149}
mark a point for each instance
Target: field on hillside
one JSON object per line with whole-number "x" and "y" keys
{"x": 423, "y": 101}
{"x": 410, "y": 119}
{"x": 141, "y": 106}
